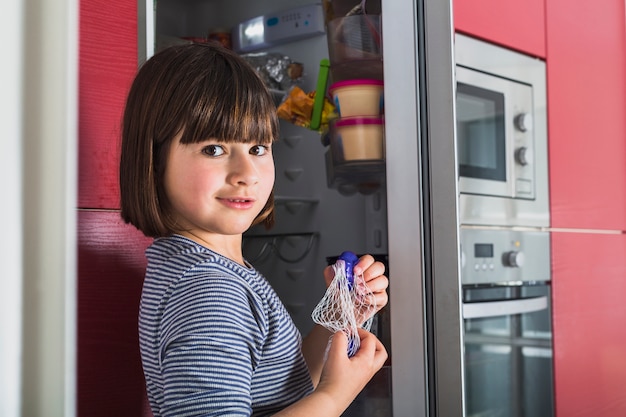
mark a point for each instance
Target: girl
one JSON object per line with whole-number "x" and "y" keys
{"x": 196, "y": 172}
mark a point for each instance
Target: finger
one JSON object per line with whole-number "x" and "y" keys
{"x": 338, "y": 345}
{"x": 369, "y": 341}
{"x": 329, "y": 274}
{"x": 379, "y": 300}
{"x": 378, "y": 284}
{"x": 373, "y": 271}
{"x": 363, "y": 264}
{"x": 370, "y": 344}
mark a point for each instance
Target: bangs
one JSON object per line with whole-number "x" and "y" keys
{"x": 241, "y": 110}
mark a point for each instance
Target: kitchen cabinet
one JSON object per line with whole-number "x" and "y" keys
{"x": 588, "y": 321}
{"x": 516, "y": 24}
{"x": 586, "y": 104}
{"x": 110, "y": 254}
{"x": 111, "y": 266}
{"x": 107, "y": 64}
{"x": 586, "y": 68}
{"x": 585, "y": 51}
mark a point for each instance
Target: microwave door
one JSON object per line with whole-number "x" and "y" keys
{"x": 480, "y": 129}
{"x": 482, "y": 140}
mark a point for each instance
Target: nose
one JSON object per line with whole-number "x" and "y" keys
{"x": 243, "y": 169}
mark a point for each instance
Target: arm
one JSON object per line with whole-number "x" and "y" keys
{"x": 313, "y": 348}
{"x": 315, "y": 343}
{"x": 342, "y": 378}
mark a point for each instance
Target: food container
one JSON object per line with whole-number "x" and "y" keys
{"x": 358, "y": 98}
{"x": 357, "y": 139}
{"x": 221, "y": 36}
{"x": 355, "y": 47}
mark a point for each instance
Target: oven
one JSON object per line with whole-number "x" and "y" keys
{"x": 506, "y": 293}
{"x": 501, "y": 135}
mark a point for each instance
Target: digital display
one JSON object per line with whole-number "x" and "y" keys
{"x": 483, "y": 250}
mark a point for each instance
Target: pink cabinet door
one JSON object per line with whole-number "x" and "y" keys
{"x": 517, "y": 24}
{"x": 587, "y": 106}
{"x": 111, "y": 267}
{"x": 108, "y": 62}
{"x": 589, "y": 316}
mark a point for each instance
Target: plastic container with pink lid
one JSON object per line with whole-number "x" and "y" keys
{"x": 362, "y": 97}
{"x": 357, "y": 139}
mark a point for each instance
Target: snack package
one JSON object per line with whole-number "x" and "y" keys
{"x": 297, "y": 108}
{"x": 279, "y": 72}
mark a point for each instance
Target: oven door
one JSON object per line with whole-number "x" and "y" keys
{"x": 508, "y": 351}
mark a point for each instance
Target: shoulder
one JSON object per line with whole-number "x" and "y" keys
{"x": 190, "y": 280}
{"x": 184, "y": 259}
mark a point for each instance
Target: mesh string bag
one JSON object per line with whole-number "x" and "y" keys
{"x": 345, "y": 306}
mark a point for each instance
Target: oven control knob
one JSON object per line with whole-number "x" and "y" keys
{"x": 523, "y": 156}
{"x": 523, "y": 122}
{"x": 514, "y": 259}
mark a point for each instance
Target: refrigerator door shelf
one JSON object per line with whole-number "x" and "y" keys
{"x": 363, "y": 176}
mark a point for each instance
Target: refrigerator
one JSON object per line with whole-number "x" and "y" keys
{"x": 409, "y": 220}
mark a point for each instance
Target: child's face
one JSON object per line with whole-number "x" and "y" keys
{"x": 216, "y": 187}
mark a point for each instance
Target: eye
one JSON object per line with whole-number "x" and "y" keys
{"x": 259, "y": 150}
{"x": 213, "y": 150}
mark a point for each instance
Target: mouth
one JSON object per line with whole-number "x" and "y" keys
{"x": 238, "y": 202}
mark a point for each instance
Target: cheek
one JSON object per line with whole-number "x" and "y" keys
{"x": 185, "y": 185}
{"x": 270, "y": 175}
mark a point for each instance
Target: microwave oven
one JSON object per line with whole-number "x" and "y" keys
{"x": 501, "y": 135}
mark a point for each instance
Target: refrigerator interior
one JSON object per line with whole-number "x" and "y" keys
{"x": 313, "y": 222}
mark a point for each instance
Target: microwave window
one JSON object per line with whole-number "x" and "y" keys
{"x": 480, "y": 133}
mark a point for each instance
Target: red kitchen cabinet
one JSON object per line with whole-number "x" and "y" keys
{"x": 586, "y": 67}
{"x": 108, "y": 62}
{"x": 589, "y": 314}
{"x": 516, "y": 24}
{"x": 111, "y": 262}
{"x": 111, "y": 266}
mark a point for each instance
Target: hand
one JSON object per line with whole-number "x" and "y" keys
{"x": 343, "y": 377}
{"x": 373, "y": 274}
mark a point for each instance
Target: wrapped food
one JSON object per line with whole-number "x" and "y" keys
{"x": 279, "y": 72}
{"x": 297, "y": 108}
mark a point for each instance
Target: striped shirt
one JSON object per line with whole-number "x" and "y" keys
{"x": 215, "y": 339}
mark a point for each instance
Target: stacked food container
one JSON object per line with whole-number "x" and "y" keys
{"x": 359, "y": 131}
{"x": 357, "y": 149}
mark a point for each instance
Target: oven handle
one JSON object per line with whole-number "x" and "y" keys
{"x": 504, "y": 308}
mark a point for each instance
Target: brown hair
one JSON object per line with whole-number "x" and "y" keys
{"x": 200, "y": 91}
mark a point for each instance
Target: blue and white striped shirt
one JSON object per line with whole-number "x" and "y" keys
{"x": 215, "y": 338}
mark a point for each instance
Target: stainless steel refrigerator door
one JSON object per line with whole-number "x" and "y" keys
{"x": 422, "y": 209}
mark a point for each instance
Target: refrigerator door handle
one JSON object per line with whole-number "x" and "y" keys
{"x": 504, "y": 308}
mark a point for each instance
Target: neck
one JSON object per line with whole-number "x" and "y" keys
{"x": 228, "y": 246}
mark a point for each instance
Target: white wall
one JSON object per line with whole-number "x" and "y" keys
{"x": 38, "y": 111}
{"x": 10, "y": 209}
